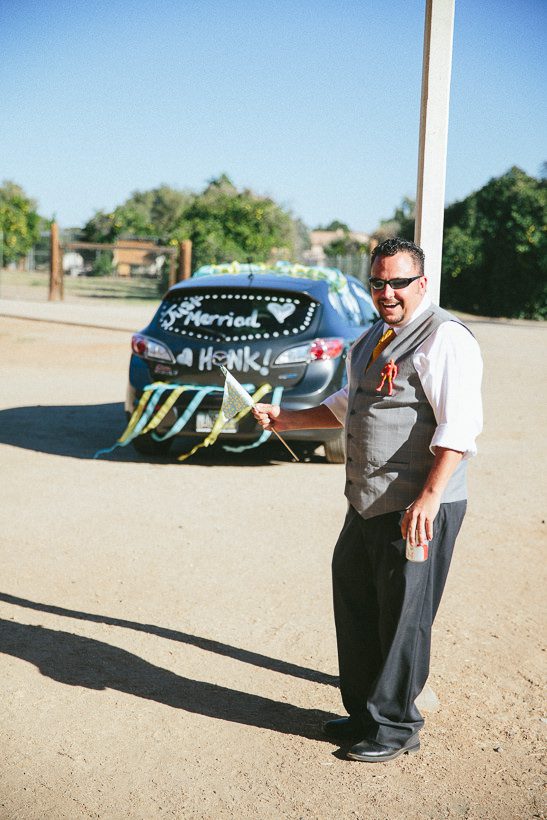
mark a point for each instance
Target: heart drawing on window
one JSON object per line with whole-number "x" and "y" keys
{"x": 281, "y": 311}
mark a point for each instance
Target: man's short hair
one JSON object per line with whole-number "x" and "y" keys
{"x": 397, "y": 245}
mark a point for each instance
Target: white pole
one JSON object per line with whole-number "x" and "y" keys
{"x": 437, "y": 64}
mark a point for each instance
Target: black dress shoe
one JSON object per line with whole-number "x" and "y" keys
{"x": 371, "y": 752}
{"x": 344, "y": 728}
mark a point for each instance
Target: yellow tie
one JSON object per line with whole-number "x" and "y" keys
{"x": 383, "y": 341}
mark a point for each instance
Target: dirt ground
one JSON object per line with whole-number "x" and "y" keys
{"x": 166, "y": 629}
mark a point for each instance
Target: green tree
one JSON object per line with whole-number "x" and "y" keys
{"x": 158, "y": 212}
{"x": 345, "y": 246}
{"x": 335, "y": 225}
{"x": 400, "y": 224}
{"x": 19, "y": 221}
{"x": 495, "y": 249}
{"x": 222, "y": 222}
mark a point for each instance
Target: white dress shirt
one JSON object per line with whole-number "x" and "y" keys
{"x": 449, "y": 366}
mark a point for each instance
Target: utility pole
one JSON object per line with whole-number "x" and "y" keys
{"x": 437, "y": 65}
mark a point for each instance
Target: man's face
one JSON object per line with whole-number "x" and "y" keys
{"x": 397, "y": 306}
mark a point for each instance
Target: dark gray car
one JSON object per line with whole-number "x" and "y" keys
{"x": 286, "y": 326}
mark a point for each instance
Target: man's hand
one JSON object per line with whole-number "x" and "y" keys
{"x": 418, "y": 519}
{"x": 269, "y": 416}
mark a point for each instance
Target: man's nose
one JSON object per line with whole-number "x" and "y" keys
{"x": 388, "y": 290}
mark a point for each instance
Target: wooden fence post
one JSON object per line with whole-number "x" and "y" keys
{"x": 185, "y": 260}
{"x": 172, "y": 278}
{"x": 56, "y": 284}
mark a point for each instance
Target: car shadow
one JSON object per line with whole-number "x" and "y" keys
{"x": 80, "y": 431}
{"x": 75, "y": 660}
{"x": 207, "y": 644}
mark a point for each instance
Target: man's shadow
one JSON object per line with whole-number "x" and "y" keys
{"x": 206, "y": 644}
{"x": 77, "y": 431}
{"x": 79, "y": 661}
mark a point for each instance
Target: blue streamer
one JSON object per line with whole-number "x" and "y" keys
{"x": 159, "y": 388}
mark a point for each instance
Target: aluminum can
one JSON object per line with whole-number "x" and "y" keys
{"x": 418, "y": 553}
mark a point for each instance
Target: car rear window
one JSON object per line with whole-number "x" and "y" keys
{"x": 237, "y": 314}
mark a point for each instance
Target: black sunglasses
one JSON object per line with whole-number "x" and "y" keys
{"x": 396, "y": 284}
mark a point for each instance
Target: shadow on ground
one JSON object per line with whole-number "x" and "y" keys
{"x": 75, "y": 660}
{"x": 207, "y": 644}
{"x": 79, "y": 431}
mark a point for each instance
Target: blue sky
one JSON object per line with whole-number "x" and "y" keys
{"x": 314, "y": 103}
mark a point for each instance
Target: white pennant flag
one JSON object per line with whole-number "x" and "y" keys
{"x": 235, "y": 398}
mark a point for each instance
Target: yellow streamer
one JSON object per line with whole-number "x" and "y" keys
{"x": 164, "y": 409}
{"x": 137, "y": 413}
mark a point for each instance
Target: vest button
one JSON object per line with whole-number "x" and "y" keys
{"x": 349, "y": 482}
{"x": 359, "y": 390}
{"x": 349, "y": 458}
{"x": 350, "y": 436}
{"x": 352, "y": 412}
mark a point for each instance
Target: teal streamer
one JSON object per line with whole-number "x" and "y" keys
{"x": 143, "y": 421}
{"x": 148, "y": 412}
{"x": 190, "y": 410}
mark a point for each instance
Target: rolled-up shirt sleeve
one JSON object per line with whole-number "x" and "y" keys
{"x": 338, "y": 404}
{"x": 449, "y": 366}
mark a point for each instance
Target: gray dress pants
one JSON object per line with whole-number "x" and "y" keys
{"x": 384, "y": 608}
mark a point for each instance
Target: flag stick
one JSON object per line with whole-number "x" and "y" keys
{"x": 282, "y": 440}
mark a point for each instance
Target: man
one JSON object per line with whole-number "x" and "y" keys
{"x": 412, "y": 411}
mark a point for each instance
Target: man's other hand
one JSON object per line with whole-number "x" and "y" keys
{"x": 417, "y": 521}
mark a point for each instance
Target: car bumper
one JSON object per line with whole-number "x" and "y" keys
{"x": 247, "y": 429}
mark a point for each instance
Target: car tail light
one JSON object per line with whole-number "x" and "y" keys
{"x": 150, "y": 349}
{"x": 319, "y": 349}
{"x": 326, "y": 348}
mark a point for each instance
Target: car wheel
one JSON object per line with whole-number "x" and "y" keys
{"x": 147, "y": 446}
{"x": 335, "y": 449}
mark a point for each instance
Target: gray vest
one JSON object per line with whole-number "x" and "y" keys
{"x": 388, "y": 437}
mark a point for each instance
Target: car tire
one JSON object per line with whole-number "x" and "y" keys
{"x": 147, "y": 446}
{"x": 335, "y": 449}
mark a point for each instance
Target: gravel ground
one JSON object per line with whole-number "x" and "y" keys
{"x": 166, "y": 629}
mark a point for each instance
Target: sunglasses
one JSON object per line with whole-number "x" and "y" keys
{"x": 396, "y": 284}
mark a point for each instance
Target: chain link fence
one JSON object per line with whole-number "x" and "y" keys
{"x": 356, "y": 264}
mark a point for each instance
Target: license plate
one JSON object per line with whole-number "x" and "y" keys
{"x": 205, "y": 421}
